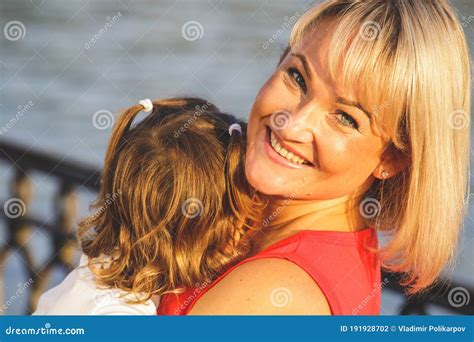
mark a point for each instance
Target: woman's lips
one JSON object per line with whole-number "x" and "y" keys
{"x": 277, "y": 157}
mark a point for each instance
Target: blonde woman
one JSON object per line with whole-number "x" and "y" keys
{"x": 363, "y": 127}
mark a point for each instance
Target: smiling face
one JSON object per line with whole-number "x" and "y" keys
{"x": 307, "y": 137}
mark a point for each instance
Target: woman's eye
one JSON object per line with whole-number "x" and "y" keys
{"x": 346, "y": 120}
{"x": 297, "y": 78}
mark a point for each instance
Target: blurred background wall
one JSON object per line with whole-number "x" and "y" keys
{"x": 66, "y": 66}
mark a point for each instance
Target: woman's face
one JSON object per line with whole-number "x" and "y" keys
{"x": 300, "y": 112}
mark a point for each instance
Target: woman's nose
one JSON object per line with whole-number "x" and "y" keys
{"x": 300, "y": 124}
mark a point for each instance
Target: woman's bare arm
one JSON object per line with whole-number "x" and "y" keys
{"x": 264, "y": 287}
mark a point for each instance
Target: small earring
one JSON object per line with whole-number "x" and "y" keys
{"x": 384, "y": 174}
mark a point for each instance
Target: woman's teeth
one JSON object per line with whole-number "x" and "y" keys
{"x": 284, "y": 152}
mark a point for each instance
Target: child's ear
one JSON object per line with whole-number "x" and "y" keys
{"x": 392, "y": 161}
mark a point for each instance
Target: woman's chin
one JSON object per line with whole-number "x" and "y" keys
{"x": 265, "y": 181}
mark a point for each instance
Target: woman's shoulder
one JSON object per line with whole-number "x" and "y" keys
{"x": 305, "y": 270}
{"x": 264, "y": 286}
{"x": 268, "y": 283}
{"x": 306, "y": 273}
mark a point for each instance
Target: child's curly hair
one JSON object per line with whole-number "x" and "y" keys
{"x": 173, "y": 201}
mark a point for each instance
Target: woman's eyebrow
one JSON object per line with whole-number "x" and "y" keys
{"x": 339, "y": 99}
{"x": 351, "y": 103}
{"x": 305, "y": 63}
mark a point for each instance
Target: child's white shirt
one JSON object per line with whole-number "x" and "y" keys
{"x": 78, "y": 294}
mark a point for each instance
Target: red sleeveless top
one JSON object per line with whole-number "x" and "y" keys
{"x": 347, "y": 273}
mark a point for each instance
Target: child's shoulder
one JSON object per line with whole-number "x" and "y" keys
{"x": 78, "y": 294}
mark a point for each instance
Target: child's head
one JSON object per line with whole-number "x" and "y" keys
{"x": 173, "y": 199}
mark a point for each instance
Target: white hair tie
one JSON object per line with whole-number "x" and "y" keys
{"x": 147, "y": 105}
{"x": 236, "y": 127}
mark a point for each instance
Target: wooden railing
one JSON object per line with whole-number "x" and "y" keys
{"x": 70, "y": 176}
{"x": 20, "y": 224}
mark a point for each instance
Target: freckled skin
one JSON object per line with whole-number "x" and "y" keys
{"x": 345, "y": 159}
{"x": 343, "y": 162}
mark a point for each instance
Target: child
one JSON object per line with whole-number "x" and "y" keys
{"x": 172, "y": 207}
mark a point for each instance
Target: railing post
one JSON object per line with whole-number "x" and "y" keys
{"x": 18, "y": 230}
{"x": 65, "y": 205}
{"x": 413, "y": 306}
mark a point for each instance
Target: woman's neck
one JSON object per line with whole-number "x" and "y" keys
{"x": 286, "y": 217}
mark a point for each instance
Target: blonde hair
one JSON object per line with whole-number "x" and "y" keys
{"x": 411, "y": 63}
{"x": 173, "y": 202}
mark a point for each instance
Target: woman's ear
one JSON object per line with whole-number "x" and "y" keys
{"x": 392, "y": 161}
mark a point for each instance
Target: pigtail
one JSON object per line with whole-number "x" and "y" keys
{"x": 90, "y": 227}
{"x": 117, "y": 140}
{"x": 243, "y": 200}
{"x": 167, "y": 215}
